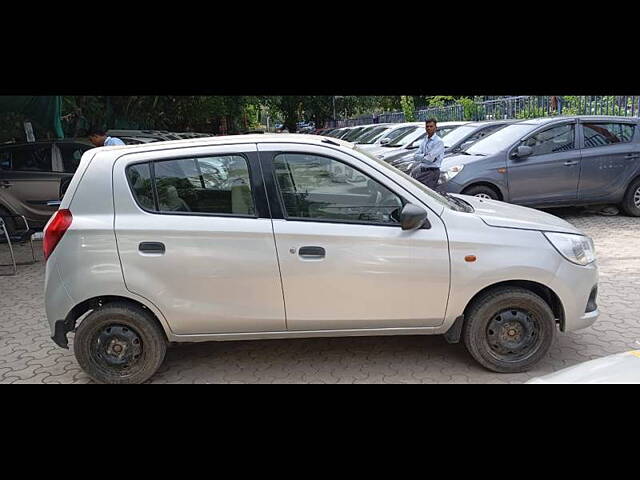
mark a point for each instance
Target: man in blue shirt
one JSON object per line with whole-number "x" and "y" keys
{"x": 429, "y": 157}
{"x": 99, "y": 138}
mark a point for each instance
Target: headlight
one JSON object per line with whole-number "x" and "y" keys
{"x": 451, "y": 172}
{"x": 577, "y": 249}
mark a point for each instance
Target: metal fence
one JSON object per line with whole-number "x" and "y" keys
{"x": 520, "y": 107}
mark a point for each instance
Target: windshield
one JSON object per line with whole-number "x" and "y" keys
{"x": 373, "y": 135}
{"x": 436, "y": 196}
{"x": 457, "y": 135}
{"x": 406, "y": 138}
{"x": 395, "y": 134}
{"x": 363, "y": 133}
{"x": 353, "y": 133}
{"x": 501, "y": 139}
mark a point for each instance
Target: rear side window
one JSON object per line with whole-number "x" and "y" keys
{"x": 211, "y": 185}
{"x": 36, "y": 158}
{"x": 600, "y": 134}
{"x": 5, "y": 160}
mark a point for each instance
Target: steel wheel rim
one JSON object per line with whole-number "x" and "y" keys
{"x": 513, "y": 335}
{"x": 484, "y": 195}
{"x": 117, "y": 349}
{"x": 636, "y": 198}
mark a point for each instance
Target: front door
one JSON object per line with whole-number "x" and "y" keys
{"x": 195, "y": 238}
{"x": 551, "y": 173}
{"x": 345, "y": 261}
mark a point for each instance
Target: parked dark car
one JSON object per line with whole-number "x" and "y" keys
{"x": 557, "y": 161}
{"x": 31, "y": 174}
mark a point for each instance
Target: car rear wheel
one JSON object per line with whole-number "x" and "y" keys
{"x": 482, "y": 191}
{"x": 509, "y": 330}
{"x": 119, "y": 343}
{"x": 631, "y": 202}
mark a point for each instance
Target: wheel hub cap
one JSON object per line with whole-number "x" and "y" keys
{"x": 483, "y": 195}
{"x": 512, "y": 333}
{"x": 118, "y": 346}
{"x": 636, "y": 198}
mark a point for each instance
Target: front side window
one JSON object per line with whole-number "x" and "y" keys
{"x": 71, "y": 155}
{"x": 321, "y": 188}
{"x": 600, "y": 134}
{"x": 553, "y": 140}
{"x": 213, "y": 185}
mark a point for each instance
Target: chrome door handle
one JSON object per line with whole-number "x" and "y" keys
{"x": 632, "y": 155}
{"x": 312, "y": 252}
{"x": 6, "y": 185}
{"x": 570, "y": 164}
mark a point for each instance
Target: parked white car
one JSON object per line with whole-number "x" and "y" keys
{"x": 618, "y": 368}
{"x": 289, "y": 236}
{"x": 393, "y": 131}
{"x": 410, "y": 141}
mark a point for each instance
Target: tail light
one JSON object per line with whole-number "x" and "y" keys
{"x": 55, "y": 230}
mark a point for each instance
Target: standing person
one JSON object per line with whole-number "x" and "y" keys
{"x": 99, "y": 138}
{"x": 429, "y": 157}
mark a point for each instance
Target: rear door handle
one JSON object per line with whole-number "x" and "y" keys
{"x": 312, "y": 252}
{"x": 570, "y": 164}
{"x": 6, "y": 184}
{"x": 632, "y": 155}
{"x": 152, "y": 247}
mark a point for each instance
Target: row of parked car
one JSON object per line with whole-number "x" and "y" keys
{"x": 33, "y": 175}
{"x": 544, "y": 162}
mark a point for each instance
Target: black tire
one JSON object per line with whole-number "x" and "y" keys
{"x": 492, "y": 318}
{"x": 482, "y": 191}
{"x": 10, "y": 223}
{"x": 119, "y": 324}
{"x": 631, "y": 203}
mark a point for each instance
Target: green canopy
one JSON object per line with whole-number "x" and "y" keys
{"x": 45, "y": 110}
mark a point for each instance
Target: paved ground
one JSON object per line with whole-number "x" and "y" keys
{"x": 28, "y": 355}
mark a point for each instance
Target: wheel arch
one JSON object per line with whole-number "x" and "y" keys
{"x": 63, "y": 327}
{"x": 483, "y": 183}
{"x": 544, "y": 292}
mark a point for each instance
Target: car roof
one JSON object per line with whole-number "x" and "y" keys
{"x": 582, "y": 118}
{"x": 231, "y": 140}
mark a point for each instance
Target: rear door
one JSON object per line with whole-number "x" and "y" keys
{"x": 551, "y": 173}
{"x": 610, "y": 158}
{"x": 195, "y": 237}
{"x": 28, "y": 182}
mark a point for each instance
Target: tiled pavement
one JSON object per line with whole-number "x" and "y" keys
{"x": 28, "y": 355}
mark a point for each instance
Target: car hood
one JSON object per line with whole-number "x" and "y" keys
{"x": 506, "y": 215}
{"x": 452, "y": 160}
{"x": 618, "y": 368}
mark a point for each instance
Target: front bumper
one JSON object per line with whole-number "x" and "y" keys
{"x": 574, "y": 285}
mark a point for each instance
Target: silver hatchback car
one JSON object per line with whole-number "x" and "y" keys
{"x": 289, "y": 236}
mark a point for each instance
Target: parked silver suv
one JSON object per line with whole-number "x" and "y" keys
{"x": 282, "y": 236}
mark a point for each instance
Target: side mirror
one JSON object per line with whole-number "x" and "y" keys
{"x": 523, "y": 151}
{"x": 413, "y": 217}
{"x": 385, "y": 141}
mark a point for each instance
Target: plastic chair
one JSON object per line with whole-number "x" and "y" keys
{"x": 17, "y": 237}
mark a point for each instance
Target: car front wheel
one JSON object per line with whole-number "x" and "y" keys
{"x": 508, "y": 330}
{"x": 119, "y": 343}
{"x": 482, "y": 191}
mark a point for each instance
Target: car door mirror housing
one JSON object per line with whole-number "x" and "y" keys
{"x": 523, "y": 151}
{"x": 385, "y": 141}
{"x": 413, "y": 217}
